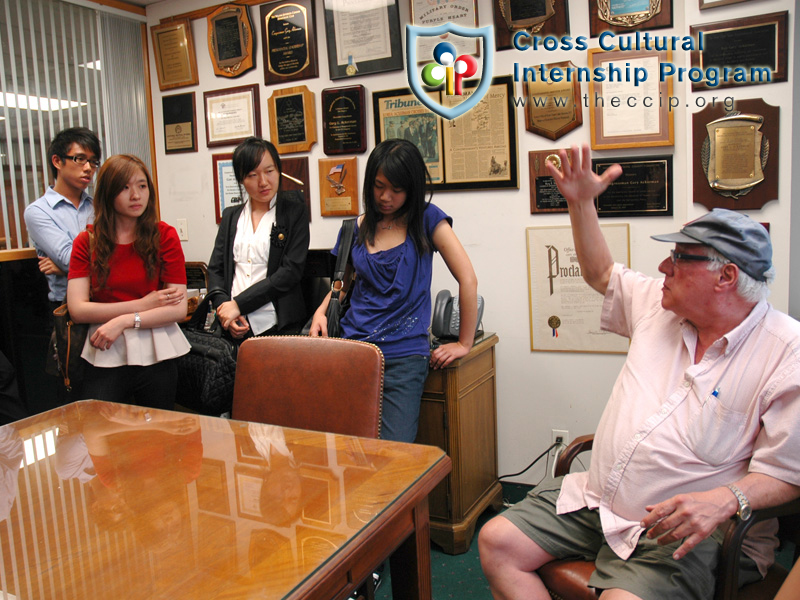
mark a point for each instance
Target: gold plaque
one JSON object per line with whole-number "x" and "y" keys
{"x": 735, "y": 153}
{"x": 553, "y": 109}
{"x": 634, "y": 12}
{"x": 176, "y": 64}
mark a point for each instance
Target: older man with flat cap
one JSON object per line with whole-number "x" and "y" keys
{"x": 703, "y": 421}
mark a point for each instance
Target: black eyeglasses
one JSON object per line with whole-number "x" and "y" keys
{"x": 80, "y": 159}
{"x": 676, "y": 256}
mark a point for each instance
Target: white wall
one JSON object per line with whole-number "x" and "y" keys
{"x": 536, "y": 391}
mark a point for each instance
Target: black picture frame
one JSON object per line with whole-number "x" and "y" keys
{"x": 643, "y": 190}
{"x": 344, "y": 68}
{"x": 454, "y": 166}
{"x": 748, "y": 43}
{"x": 180, "y": 123}
{"x": 344, "y": 120}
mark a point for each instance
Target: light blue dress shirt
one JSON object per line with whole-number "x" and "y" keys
{"x": 53, "y": 222}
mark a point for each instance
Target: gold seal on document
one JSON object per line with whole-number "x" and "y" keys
{"x": 351, "y": 70}
{"x": 554, "y": 322}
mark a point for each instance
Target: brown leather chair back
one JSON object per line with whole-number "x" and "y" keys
{"x": 324, "y": 384}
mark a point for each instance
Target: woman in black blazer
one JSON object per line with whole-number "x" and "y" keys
{"x": 260, "y": 251}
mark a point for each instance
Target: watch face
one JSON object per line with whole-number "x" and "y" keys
{"x": 745, "y": 512}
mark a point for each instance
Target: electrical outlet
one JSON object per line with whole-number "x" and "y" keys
{"x": 183, "y": 230}
{"x": 563, "y": 434}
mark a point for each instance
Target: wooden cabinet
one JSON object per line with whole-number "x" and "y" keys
{"x": 459, "y": 414}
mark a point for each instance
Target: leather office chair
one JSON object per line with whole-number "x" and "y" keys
{"x": 324, "y": 384}
{"x": 568, "y": 579}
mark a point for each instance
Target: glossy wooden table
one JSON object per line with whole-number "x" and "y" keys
{"x": 99, "y": 500}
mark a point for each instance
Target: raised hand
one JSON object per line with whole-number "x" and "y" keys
{"x": 576, "y": 181}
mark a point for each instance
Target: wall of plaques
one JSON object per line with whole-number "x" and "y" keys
{"x": 675, "y": 115}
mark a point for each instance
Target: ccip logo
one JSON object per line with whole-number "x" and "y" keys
{"x": 449, "y": 69}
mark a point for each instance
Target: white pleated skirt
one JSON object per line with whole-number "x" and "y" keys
{"x": 139, "y": 347}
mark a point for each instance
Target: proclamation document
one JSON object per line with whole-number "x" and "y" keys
{"x": 564, "y": 310}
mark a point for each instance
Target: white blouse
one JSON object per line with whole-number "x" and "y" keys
{"x": 250, "y": 256}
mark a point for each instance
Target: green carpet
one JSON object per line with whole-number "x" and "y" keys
{"x": 458, "y": 576}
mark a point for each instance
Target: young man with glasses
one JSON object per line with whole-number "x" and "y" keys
{"x": 55, "y": 219}
{"x": 703, "y": 422}
{"x": 63, "y": 212}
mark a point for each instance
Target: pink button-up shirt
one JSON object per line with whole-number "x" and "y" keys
{"x": 671, "y": 426}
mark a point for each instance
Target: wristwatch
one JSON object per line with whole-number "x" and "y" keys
{"x": 744, "y": 512}
{"x": 137, "y": 321}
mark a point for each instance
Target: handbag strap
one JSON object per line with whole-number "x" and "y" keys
{"x": 345, "y": 243}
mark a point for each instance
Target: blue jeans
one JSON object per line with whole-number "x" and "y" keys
{"x": 403, "y": 382}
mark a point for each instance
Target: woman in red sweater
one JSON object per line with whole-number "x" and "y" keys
{"x": 128, "y": 279}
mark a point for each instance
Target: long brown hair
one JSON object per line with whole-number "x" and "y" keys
{"x": 114, "y": 175}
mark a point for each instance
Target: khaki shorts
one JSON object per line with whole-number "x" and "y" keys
{"x": 650, "y": 572}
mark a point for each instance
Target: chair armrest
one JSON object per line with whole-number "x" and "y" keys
{"x": 580, "y": 444}
{"x": 728, "y": 568}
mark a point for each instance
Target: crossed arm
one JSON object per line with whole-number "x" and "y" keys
{"x": 156, "y": 309}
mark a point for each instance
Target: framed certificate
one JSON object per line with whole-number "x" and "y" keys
{"x": 232, "y": 115}
{"x": 292, "y": 119}
{"x": 288, "y": 31}
{"x": 363, "y": 37}
{"x": 226, "y": 190}
{"x": 344, "y": 119}
{"x": 753, "y": 49}
{"x": 180, "y": 123}
{"x": 626, "y": 115}
{"x": 176, "y": 63}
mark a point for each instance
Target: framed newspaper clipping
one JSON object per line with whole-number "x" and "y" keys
{"x": 477, "y": 150}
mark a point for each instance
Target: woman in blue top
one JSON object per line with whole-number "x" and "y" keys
{"x": 392, "y": 257}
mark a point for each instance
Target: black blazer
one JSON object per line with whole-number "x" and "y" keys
{"x": 287, "y": 258}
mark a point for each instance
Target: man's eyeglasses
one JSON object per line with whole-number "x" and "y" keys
{"x": 81, "y": 160}
{"x": 676, "y": 256}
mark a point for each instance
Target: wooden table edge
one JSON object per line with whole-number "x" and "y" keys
{"x": 315, "y": 587}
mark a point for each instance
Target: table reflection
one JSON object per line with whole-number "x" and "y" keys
{"x": 111, "y": 501}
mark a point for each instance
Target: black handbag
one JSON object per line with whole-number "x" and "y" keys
{"x": 207, "y": 372}
{"x": 337, "y": 307}
{"x": 68, "y": 339}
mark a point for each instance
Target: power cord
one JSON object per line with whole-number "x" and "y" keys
{"x": 535, "y": 460}
{"x": 560, "y": 446}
